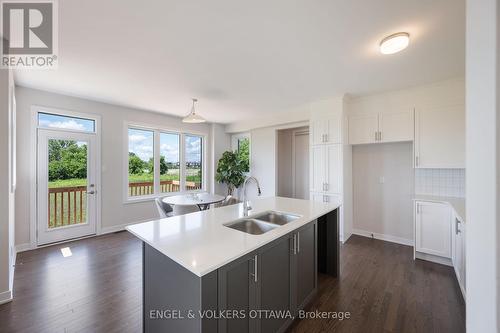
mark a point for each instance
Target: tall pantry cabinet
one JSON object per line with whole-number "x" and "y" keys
{"x": 329, "y": 156}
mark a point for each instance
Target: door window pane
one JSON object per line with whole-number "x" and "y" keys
{"x": 48, "y": 120}
{"x": 194, "y": 162}
{"x": 169, "y": 162}
{"x": 67, "y": 204}
{"x": 140, "y": 162}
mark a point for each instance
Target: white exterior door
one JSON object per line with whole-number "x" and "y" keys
{"x": 67, "y": 204}
{"x": 433, "y": 228}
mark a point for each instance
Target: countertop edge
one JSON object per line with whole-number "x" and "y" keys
{"x": 451, "y": 201}
{"x": 239, "y": 255}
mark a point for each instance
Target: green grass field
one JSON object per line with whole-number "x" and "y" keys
{"x": 56, "y": 220}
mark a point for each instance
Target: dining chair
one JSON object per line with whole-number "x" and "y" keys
{"x": 185, "y": 209}
{"x": 164, "y": 209}
{"x": 228, "y": 201}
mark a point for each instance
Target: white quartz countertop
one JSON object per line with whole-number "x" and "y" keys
{"x": 458, "y": 204}
{"x": 201, "y": 243}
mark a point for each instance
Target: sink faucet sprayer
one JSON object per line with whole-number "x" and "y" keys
{"x": 246, "y": 206}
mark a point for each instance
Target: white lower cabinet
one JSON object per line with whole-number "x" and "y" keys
{"x": 440, "y": 237}
{"x": 458, "y": 256}
{"x": 433, "y": 228}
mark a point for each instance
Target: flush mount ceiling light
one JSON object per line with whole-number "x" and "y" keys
{"x": 394, "y": 43}
{"x": 192, "y": 117}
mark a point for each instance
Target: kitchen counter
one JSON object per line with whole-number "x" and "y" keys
{"x": 201, "y": 243}
{"x": 458, "y": 204}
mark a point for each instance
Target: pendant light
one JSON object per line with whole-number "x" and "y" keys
{"x": 192, "y": 117}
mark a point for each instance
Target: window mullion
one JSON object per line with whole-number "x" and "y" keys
{"x": 182, "y": 167}
{"x": 156, "y": 171}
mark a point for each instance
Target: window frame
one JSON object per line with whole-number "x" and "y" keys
{"x": 235, "y": 147}
{"x": 156, "y": 155}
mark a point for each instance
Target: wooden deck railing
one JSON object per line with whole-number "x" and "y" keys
{"x": 166, "y": 186}
{"x": 68, "y": 205}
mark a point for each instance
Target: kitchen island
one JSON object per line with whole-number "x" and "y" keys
{"x": 203, "y": 273}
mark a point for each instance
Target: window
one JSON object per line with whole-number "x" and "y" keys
{"x": 241, "y": 144}
{"x": 140, "y": 162}
{"x": 55, "y": 121}
{"x": 162, "y": 162}
{"x": 170, "y": 163}
{"x": 244, "y": 152}
{"x": 194, "y": 148}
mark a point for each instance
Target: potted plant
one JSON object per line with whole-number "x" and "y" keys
{"x": 230, "y": 171}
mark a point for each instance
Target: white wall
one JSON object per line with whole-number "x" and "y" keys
{"x": 383, "y": 190}
{"x": 115, "y": 213}
{"x": 6, "y": 196}
{"x": 483, "y": 166}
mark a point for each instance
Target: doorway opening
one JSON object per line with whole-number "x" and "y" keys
{"x": 293, "y": 162}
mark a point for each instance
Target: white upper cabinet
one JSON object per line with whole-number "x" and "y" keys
{"x": 440, "y": 137}
{"x": 326, "y": 129}
{"x": 386, "y": 126}
{"x": 326, "y": 168}
{"x": 396, "y": 126}
{"x": 318, "y": 165}
{"x": 333, "y": 182}
{"x": 363, "y": 128}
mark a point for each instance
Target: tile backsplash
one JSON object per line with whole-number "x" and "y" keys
{"x": 440, "y": 182}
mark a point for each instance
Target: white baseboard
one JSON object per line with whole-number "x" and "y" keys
{"x": 433, "y": 258}
{"x": 5, "y": 296}
{"x": 388, "y": 238}
{"x": 120, "y": 227}
{"x": 23, "y": 247}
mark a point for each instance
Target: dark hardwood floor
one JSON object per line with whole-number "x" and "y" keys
{"x": 98, "y": 289}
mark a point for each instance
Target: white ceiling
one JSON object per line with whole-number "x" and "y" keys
{"x": 243, "y": 59}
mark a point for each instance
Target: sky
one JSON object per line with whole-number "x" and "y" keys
{"x": 63, "y": 122}
{"x": 141, "y": 143}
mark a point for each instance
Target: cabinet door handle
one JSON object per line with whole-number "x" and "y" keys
{"x": 418, "y": 208}
{"x": 376, "y": 136}
{"x": 298, "y": 242}
{"x": 457, "y": 231}
{"x": 255, "y": 268}
{"x": 379, "y": 136}
{"x": 294, "y": 244}
{"x": 326, "y": 137}
{"x": 326, "y": 186}
{"x": 416, "y": 160}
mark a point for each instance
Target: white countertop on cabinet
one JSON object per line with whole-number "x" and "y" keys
{"x": 201, "y": 243}
{"x": 458, "y": 204}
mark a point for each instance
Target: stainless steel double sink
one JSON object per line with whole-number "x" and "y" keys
{"x": 262, "y": 222}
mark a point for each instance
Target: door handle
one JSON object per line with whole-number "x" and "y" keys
{"x": 376, "y": 136}
{"x": 379, "y": 136}
{"x": 91, "y": 192}
{"x": 457, "y": 231}
{"x": 326, "y": 137}
{"x": 298, "y": 242}
{"x": 416, "y": 161}
{"x": 294, "y": 244}
{"x": 255, "y": 268}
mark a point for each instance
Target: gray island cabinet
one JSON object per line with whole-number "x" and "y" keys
{"x": 261, "y": 291}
